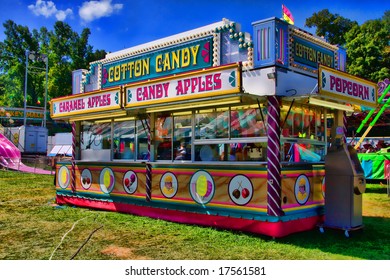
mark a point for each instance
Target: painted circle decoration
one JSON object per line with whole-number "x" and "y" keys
{"x": 64, "y": 177}
{"x": 106, "y": 180}
{"x": 130, "y": 182}
{"x": 86, "y": 178}
{"x": 302, "y": 189}
{"x": 202, "y": 187}
{"x": 240, "y": 190}
{"x": 168, "y": 185}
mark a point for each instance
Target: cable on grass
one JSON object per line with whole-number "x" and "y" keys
{"x": 63, "y": 237}
{"x": 85, "y": 242}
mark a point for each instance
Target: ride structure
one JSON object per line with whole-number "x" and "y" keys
{"x": 382, "y": 107}
{"x": 376, "y": 165}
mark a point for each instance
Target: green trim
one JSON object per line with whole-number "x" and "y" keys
{"x": 197, "y": 208}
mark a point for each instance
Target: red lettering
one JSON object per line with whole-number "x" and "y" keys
{"x": 332, "y": 82}
{"x": 179, "y": 88}
{"x": 209, "y": 82}
{"x": 139, "y": 94}
{"x": 217, "y": 81}
{"x": 194, "y": 84}
{"x": 187, "y": 83}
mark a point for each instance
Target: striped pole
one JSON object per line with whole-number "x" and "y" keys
{"x": 73, "y": 157}
{"x": 148, "y": 165}
{"x": 274, "y": 189}
{"x": 345, "y": 125}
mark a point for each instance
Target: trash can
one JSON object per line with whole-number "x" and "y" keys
{"x": 345, "y": 183}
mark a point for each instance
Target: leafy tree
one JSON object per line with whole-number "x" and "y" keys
{"x": 368, "y": 46}
{"x": 368, "y": 49}
{"x": 61, "y": 43}
{"x": 12, "y": 50}
{"x": 330, "y": 26}
{"x": 66, "y": 50}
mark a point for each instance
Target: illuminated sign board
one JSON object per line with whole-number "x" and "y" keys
{"x": 86, "y": 103}
{"x": 194, "y": 85}
{"x": 168, "y": 61}
{"x": 307, "y": 52}
{"x": 338, "y": 85}
{"x": 18, "y": 113}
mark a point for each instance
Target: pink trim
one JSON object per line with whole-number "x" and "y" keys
{"x": 273, "y": 229}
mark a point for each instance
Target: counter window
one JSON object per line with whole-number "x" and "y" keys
{"x": 231, "y": 152}
{"x": 182, "y": 137}
{"x": 142, "y": 139}
{"x": 124, "y": 140}
{"x": 303, "y": 136}
{"x": 210, "y": 124}
{"x": 230, "y": 134}
{"x": 95, "y": 136}
{"x": 163, "y": 137}
{"x": 299, "y": 122}
{"x": 247, "y": 123}
{"x": 95, "y": 141}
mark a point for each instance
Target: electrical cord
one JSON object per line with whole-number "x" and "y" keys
{"x": 63, "y": 237}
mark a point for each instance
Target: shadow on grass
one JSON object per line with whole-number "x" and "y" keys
{"x": 369, "y": 243}
{"x": 382, "y": 189}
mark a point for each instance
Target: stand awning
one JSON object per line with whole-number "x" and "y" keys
{"x": 65, "y": 150}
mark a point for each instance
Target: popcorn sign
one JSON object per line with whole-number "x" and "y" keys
{"x": 342, "y": 86}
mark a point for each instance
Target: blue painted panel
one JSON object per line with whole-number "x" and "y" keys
{"x": 264, "y": 43}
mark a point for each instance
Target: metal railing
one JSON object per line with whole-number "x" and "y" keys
{"x": 13, "y": 137}
{"x": 31, "y": 164}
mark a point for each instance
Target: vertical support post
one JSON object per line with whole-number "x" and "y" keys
{"x": 73, "y": 175}
{"x": 45, "y": 108}
{"x": 345, "y": 125}
{"x": 148, "y": 165}
{"x": 25, "y": 91}
{"x": 274, "y": 190}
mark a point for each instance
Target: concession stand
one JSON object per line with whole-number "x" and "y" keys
{"x": 214, "y": 127}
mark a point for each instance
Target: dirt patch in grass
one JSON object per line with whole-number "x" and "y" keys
{"x": 122, "y": 253}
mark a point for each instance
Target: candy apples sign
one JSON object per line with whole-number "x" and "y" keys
{"x": 210, "y": 82}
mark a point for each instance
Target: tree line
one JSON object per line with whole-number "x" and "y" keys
{"x": 368, "y": 54}
{"x": 367, "y": 45}
{"x": 66, "y": 50}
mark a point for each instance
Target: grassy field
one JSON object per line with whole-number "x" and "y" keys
{"x": 33, "y": 227}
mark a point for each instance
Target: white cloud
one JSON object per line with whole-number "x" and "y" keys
{"x": 92, "y": 10}
{"x": 48, "y": 9}
{"x": 61, "y": 15}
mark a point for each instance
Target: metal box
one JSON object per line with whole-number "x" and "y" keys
{"x": 345, "y": 184}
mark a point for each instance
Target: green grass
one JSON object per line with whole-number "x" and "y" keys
{"x": 32, "y": 225}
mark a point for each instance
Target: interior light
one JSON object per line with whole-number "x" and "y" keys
{"x": 271, "y": 75}
{"x": 243, "y": 107}
{"x": 330, "y": 104}
{"x": 103, "y": 121}
{"x": 107, "y": 116}
{"x": 184, "y": 113}
{"x": 124, "y": 119}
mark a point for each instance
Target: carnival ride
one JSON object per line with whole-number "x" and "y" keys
{"x": 383, "y": 107}
{"x": 10, "y": 158}
{"x": 376, "y": 165}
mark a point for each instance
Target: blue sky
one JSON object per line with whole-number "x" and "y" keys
{"x": 119, "y": 24}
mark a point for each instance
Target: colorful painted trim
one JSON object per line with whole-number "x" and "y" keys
{"x": 275, "y": 229}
